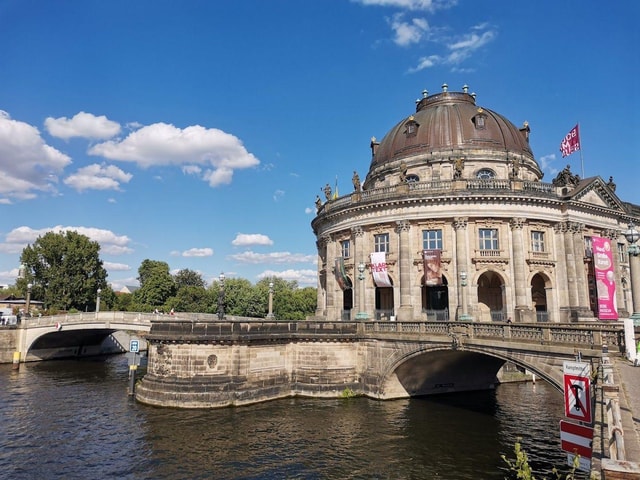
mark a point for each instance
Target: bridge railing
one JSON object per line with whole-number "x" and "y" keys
{"x": 88, "y": 317}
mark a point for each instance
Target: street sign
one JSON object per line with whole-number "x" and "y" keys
{"x": 576, "y": 439}
{"x": 577, "y": 391}
{"x": 134, "y": 346}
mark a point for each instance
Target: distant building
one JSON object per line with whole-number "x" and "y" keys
{"x": 454, "y": 221}
{"x": 128, "y": 289}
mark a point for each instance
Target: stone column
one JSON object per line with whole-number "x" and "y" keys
{"x": 522, "y": 311}
{"x": 360, "y": 285}
{"x": 405, "y": 312}
{"x": 562, "y": 281}
{"x": 572, "y": 282}
{"x": 462, "y": 254}
{"x": 582, "y": 283}
{"x": 634, "y": 267}
{"x": 321, "y": 307}
{"x": 333, "y": 312}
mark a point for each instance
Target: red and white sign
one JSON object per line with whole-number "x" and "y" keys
{"x": 576, "y": 439}
{"x": 577, "y": 391}
{"x": 571, "y": 142}
{"x": 379, "y": 269}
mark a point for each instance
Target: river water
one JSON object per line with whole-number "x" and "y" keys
{"x": 74, "y": 419}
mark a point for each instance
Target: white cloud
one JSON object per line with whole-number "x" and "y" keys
{"x": 198, "y": 252}
{"x": 309, "y": 210}
{"x": 85, "y": 125}
{"x": 546, "y": 163}
{"x": 98, "y": 177}
{"x": 245, "y": 239}
{"x": 460, "y": 49}
{"x": 273, "y": 257}
{"x": 110, "y": 243}
{"x": 163, "y": 144}
{"x": 303, "y": 277}
{"x": 407, "y": 33}
{"x": 277, "y": 195}
{"x": 116, "y": 267}
{"x": 27, "y": 163}
{"x": 426, "y": 5}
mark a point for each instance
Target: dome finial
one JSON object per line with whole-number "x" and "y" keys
{"x": 445, "y": 87}
{"x": 465, "y": 88}
{"x": 425, "y": 93}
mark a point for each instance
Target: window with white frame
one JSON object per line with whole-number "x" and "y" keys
{"x": 537, "y": 241}
{"x": 345, "y": 246}
{"x": 432, "y": 239}
{"x": 622, "y": 253}
{"x": 488, "y": 238}
{"x": 381, "y": 242}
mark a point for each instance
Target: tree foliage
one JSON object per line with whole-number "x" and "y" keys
{"x": 188, "y": 278}
{"x": 64, "y": 269}
{"x": 156, "y": 284}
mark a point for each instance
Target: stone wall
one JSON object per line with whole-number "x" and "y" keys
{"x": 8, "y": 343}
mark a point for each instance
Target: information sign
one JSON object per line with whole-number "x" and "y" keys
{"x": 134, "y": 346}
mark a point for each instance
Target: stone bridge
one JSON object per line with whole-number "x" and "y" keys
{"x": 215, "y": 364}
{"x": 73, "y": 335}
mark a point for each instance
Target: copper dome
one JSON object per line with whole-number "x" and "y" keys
{"x": 447, "y": 125}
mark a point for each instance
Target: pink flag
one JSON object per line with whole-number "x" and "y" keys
{"x": 571, "y": 142}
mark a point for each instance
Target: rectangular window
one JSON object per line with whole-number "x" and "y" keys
{"x": 432, "y": 239}
{"x": 622, "y": 253}
{"x": 588, "y": 247}
{"x": 345, "y": 245}
{"x": 488, "y": 238}
{"x": 381, "y": 242}
{"x": 537, "y": 241}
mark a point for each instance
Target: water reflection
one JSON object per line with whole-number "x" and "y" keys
{"x": 68, "y": 419}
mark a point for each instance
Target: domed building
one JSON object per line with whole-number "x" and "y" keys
{"x": 454, "y": 222}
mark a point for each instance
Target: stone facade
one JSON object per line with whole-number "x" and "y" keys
{"x": 462, "y": 180}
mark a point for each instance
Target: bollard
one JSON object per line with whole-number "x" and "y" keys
{"x": 16, "y": 360}
{"x": 132, "y": 379}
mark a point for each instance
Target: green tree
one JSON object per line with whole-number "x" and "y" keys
{"x": 156, "y": 284}
{"x": 188, "y": 278}
{"x": 64, "y": 269}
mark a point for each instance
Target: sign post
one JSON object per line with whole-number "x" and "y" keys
{"x": 134, "y": 361}
{"x": 577, "y": 391}
{"x": 577, "y": 440}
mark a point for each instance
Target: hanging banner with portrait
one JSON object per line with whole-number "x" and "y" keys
{"x": 605, "y": 278}
{"x": 432, "y": 271}
{"x": 379, "y": 269}
{"x": 341, "y": 274}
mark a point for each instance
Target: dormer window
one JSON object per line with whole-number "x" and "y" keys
{"x": 485, "y": 174}
{"x": 479, "y": 120}
{"x": 411, "y": 127}
{"x": 412, "y": 178}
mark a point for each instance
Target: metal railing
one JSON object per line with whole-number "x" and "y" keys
{"x": 436, "y": 315}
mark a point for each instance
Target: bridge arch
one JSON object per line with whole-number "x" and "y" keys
{"x": 426, "y": 369}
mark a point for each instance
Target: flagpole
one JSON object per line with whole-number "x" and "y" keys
{"x": 581, "y": 159}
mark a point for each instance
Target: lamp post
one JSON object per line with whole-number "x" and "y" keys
{"x": 464, "y": 317}
{"x": 28, "y": 301}
{"x": 221, "y": 297}
{"x": 632, "y": 235}
{"x": 98, "y": 301}
{"x": 270, "y": 314}
{"x": 361, "y": 315}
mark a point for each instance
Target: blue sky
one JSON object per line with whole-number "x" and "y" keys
{"x": 199, "y": 133}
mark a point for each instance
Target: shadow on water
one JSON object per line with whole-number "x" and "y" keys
{"x": 74, "y": 419}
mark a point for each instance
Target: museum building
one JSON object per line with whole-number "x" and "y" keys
{"x": 454, "y": 222}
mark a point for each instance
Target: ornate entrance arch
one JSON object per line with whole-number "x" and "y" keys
{"x": 435, "y": 300}
{"x": 491, "y": 301}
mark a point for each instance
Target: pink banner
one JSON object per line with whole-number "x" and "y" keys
{"x": 379, "y": 269}
{"x": 605, "y": 278}
{"x": 432, "y": 274}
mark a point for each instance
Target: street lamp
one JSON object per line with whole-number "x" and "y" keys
{"x": 270, "y": 314}
{"x": 361, "y": 315}
{"x": 463, "y": 287}
{"x": 98, "y": 300}
{"x": 28, "y": 302}
{"x": 221, "y": 297}
{"x": 632, "y": 235}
